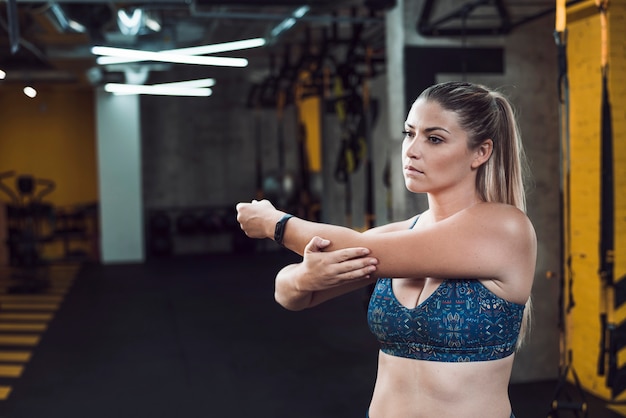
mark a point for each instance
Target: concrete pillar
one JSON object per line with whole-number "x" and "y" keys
{"x": 118, "y": 133}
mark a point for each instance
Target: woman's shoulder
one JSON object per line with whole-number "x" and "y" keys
{"x": 499, "y": 210}
{"x": 503, "y": 219}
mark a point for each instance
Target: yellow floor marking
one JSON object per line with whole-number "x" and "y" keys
{"x": 16, "y": 339}
{"x": 5, "y": 391}
{"x": 30, "y": 298}
{"x": 15, "y": 356}
{"x": 11, "y": 371}
{"x": 61, "y": 280}
{"x": 28, "y": 312}
{"x": 52, "y": 292}
{"x": 58, "y": 290}
{"x": 19, "y": 316}
{"x": 13, "y": 326}
{"x": 13, "y": 306}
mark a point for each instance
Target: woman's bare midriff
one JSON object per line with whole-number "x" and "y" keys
{"x": 407, "y": 388}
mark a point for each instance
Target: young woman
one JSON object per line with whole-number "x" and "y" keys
{"x": 453, "y": 283}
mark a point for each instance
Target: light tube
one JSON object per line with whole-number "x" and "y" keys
{"x": 168, "y": 57}
{"x": 116, "y": 88}
{"x": 290, "y": 21}
{"x": 129, "y": 24}
{"x": 201, "y": 83}
{"x": 194, "y": 50}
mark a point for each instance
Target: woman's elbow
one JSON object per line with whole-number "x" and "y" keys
{"x": 286, "y": 293}
{"x": 288, "y": 303}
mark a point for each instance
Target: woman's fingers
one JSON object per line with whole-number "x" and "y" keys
{"x": 332, "y": 268}
{"x": 317, "y": 244}
{"x": 356, "y": 267}
{"x": 351, "y": 253}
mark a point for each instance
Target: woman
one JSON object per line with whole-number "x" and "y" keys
{"x": 451, "y": 318}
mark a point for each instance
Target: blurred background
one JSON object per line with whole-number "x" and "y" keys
{"x": 130, "y": 130}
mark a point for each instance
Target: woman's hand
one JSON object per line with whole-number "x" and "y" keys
{"x": 323, "y": 275}
{"x": 321, "y": 270}
{"x": 258, "y": 218}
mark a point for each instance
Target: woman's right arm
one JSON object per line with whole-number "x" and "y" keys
{"x": 323, "y": 275}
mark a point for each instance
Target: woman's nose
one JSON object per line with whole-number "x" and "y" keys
{"x": 411, "y": 149}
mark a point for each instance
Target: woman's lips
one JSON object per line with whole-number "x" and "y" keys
{"x": 412, "y": 170}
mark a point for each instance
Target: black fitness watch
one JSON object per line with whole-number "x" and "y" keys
{"x": 279, "y": 231}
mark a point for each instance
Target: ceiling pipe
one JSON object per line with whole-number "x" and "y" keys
{"x": 326, "y": 18}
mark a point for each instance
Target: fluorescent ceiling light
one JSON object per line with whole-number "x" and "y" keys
{"x": 129, "y": 24}
{"x": 30, "y": 92}
{"x": 156, "y": 90}
{"x": 168, "y": 57}
{"x": 194, "y": 50}
{"x": 290, "y": 21}
{"x": 201, "y": 83}
{"x": 64, "y": 23}
{"x": 152, "y": 24}
{"x": 137, "y": 21}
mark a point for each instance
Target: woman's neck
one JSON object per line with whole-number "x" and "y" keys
{"x": 442, "y": 207}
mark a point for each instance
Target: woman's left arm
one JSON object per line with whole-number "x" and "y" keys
{"x": 487, "y": 240}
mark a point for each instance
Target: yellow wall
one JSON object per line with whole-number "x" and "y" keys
{"x": 584, "y": 45}
{"x": 51, "y": 136}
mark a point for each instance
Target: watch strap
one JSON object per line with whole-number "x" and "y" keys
{"x": 279, "y": 230}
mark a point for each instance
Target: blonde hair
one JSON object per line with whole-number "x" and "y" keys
{"x": 487, "y": 114}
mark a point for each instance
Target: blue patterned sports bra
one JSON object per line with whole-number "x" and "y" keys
{"x": 461, "y": 321}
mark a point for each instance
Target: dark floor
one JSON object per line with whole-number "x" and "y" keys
{"x": 203, "y": 337}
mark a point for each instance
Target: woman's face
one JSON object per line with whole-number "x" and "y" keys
{"x": 435, "y": 155}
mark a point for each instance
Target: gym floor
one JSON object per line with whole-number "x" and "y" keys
{"x": 203, "y": 337}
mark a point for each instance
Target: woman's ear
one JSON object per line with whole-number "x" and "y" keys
{"x": 482, "y": 153}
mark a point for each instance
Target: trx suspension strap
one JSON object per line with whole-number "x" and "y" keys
{"x": 562, "y": 400}
{"x": 259, "y": 151}
{"x": 345, "y": 160}
{"x": 370, "y": 210}
{"x": 560, "y": 38}
{"x": 609, "y": 344}
{"x": 349, "y": 109}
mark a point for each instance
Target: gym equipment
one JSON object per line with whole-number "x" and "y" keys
{"x": 187, "y": 223}
{"x": 312, "y": 74}
{"x": 27, "y": 216}
{"x": 77, "y": 223}
{"x": 159, "y": 234}
{"x": 210, "y": 222}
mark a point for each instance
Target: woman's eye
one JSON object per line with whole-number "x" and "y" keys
{"x": 407, "y": 134}
{"x": 434, "y": 139}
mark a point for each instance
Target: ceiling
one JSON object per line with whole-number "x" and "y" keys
{"x": 36, "y": 45}
{"x": 48, "y": 51}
